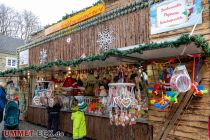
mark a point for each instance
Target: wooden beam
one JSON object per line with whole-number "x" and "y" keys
{"x": 128, "y": 57}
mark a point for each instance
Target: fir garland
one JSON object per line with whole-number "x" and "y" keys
{"x": 183, "y": 40}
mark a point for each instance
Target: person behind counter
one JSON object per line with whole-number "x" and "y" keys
{"x": 78, "y": 118}
{"x": 54, "y": 105}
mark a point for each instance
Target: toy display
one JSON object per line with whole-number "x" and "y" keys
{"x": 198, "y": 90}
{"x": 168, "y": 95}
{"x": 171, "y": 96}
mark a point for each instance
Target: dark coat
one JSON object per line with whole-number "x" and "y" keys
{"x": 2, "y": 98}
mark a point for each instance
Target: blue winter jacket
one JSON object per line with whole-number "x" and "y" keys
{"x": 2, "y": 98}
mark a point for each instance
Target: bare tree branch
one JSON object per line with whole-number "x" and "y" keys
{"x": 16, "y": 24}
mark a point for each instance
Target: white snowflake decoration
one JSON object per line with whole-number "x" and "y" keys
{"x": 68, "y": 40}
{"x": 105, "y": 39}
{"x": 43, "y": 56}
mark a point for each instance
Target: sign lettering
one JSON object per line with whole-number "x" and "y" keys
{"x": 93, "y": 11}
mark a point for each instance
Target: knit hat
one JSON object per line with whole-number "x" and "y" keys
{"x": 82, "y": 106}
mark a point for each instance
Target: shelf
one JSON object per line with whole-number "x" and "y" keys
{"x": 44, "y": 82}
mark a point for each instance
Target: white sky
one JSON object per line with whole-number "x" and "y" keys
{"x": 48, "y": 11}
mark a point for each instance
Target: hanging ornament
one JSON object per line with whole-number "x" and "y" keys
{"x": 36, "y": 100}
{"x": 180, "y": 80}
{"x": 43, "y": 56}
{"x": 122, "y": 95}
{"x": 105, "y": 39}
{"x": 83, "y": 55}
{"x": 198, "y": 90}
{"x": 68, "y": 40}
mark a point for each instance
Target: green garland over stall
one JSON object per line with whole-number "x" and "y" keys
{"x": 183, "y": 40}
{"x": 129, "y": 8}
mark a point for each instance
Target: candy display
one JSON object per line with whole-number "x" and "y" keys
{"x": 123, "y": 103}
{"x": 180, "y": 80}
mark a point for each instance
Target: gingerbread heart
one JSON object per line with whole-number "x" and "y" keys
{"x": 126, "y": 102}
{"x": 36, "y": 100}
{"x": 118, "y": 101}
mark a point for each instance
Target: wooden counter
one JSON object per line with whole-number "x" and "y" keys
{"x": 97, "y": 127}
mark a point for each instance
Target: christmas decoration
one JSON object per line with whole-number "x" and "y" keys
{"x": 123, "y": 101}
{"x": 105, "y": 39}
{"x": 183, "y": 40}
{"x": 131, "y": 7}
{"x": 43, "y": 56}
{"x": 36, "y": 100}
{"x": 180, "y": 80}
{"x": 68, "y": 40}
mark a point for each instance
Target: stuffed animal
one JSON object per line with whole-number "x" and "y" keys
{"x": 91, "y": 83}
{"x": 156, "y": 87}
{"x": 103, "y": 92}
{"x": 69, "y": 82}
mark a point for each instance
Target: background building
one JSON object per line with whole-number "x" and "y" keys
{"x": 8, "y": 46}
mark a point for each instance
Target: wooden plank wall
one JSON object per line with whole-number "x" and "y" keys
{"x": 111, "y": 5}
{"x": 114, "y": 4}
{"x": 129, "y": 30}
{"x": 193, "y": 124}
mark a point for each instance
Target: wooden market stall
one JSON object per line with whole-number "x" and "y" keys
{"x": 125, "y": 24}
{"x": 192, "y": 121}
{"x": 81, "y": 39}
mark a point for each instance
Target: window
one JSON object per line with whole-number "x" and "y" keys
{"x": 11, "y": 62}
